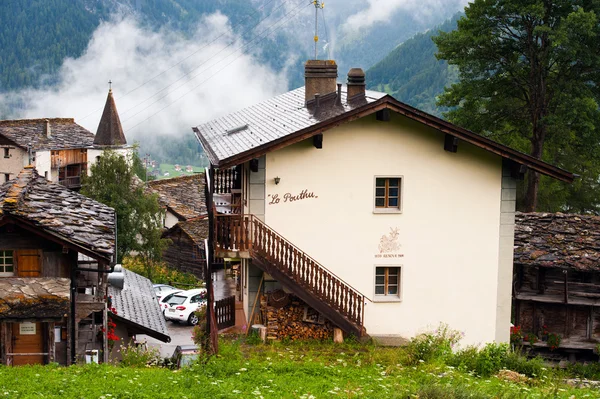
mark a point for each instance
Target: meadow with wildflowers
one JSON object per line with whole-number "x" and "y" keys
{"x": 308, "y": 371}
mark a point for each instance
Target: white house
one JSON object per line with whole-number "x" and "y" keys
{"x": 60, "y": 149}
{"x": 383, "y": 218}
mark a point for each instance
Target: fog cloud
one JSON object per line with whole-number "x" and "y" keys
{"x": 204, "y": 77}
{"x": 383, "y": 10}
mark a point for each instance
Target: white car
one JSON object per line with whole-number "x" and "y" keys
{"x": 162, "y": 289}
{"x": 183, "y": 306}
{"x": 163, "y": 301}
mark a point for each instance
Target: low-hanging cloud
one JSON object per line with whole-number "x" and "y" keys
{"x": 382, "y": 11}
{"x": 205, "y": 76}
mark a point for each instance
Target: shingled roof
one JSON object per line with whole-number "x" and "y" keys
{"x": 110, "y": 132}
{"x": 286, "y": 119}
{"x": 183, "y": 196}
{"x": 558, "y": 240}
{"x": 136, "y": 304}
{"x": 69, "y": 216}
{"x": 196, "y": 229}
{"x": 64, "y": 133}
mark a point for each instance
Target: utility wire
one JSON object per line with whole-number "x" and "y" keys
{"x": 272, "y": 27}
{"x": 195, "y": 87}
{"x": 194, "y": 69}
{"x": 192, "y": 54}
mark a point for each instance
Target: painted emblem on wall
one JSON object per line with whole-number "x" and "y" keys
{"x": 389, "y": 245}
{"x": 289, "y": 197}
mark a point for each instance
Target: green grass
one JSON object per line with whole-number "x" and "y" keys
{"x": 165, "y": 167}
{"x": 298, "y": 370}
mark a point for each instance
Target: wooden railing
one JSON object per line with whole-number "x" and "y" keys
{"x": 71, "y": 182}
{"x": 248, "y": 233}
{"x": 225, "y": 312}
{"x": 227, "y": 180}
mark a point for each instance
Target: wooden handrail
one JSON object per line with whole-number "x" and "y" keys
{"x": 248, "y": 233}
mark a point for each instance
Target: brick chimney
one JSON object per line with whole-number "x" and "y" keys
{"x": 320, "y": 77}
{"x": 356, "y": 84}
{"x": 47, "y": 129}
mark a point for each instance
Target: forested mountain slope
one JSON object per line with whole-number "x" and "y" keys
{"x": 412, "y": 74}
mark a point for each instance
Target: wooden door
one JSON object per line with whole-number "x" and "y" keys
{"x": 28, "y": 263}
{"x": 27, "y": 338}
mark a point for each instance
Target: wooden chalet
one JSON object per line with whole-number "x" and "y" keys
{"x": 382, "y": 218}
{"x": 61, "y": 150}
{"x": 185, "y": 221}
{"x": 556, "y": 286}
{"x": 56, "y": 248}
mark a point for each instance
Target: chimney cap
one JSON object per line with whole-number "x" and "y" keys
{"x": 356, "y": 76}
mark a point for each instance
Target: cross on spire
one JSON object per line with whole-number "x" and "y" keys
{"x": 110, "y": 85}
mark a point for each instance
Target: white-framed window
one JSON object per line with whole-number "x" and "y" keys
{"x": 387, "y": 194}
{"x": 388, "y": 283}
{"x": 7, "y": 263}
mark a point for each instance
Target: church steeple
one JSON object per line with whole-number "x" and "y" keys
{"x": 110, "y": 132}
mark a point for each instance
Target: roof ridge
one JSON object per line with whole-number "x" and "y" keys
{"x": 171, "y": 179}
{"x": 8, "y": 122}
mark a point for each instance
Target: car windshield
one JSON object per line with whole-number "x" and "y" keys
{"x": 177, "y": 300}
{"x": 168, "y": 297}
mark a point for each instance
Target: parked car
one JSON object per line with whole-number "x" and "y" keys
{"x": 163, "y": 301}
{"x": 185, "y": 355}
{"x": 183, "y": 306}
{"x": 162, "y": 289}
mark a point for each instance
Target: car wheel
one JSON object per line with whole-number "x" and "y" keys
{"x": 193, "y": 319}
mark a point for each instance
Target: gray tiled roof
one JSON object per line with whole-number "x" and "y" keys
{"x": 557, "y": 240}
{"x": 183, "y": 195}
{"x": 269, "y": 121}
{"x": 64, "y": 133}
{"x": 136, "y": 303}
{"x": 60, "y": 211}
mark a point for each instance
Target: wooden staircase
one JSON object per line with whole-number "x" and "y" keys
{"x": 294, "y": 269}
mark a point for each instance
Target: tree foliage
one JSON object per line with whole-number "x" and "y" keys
{"x": 139, "y": 215}
{"x": 528, "y": 75}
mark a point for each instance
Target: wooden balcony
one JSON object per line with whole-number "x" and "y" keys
{"x": 247, "y": 236}
{"x": 71, "y": 182}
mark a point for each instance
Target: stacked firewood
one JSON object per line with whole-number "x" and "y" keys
{"x": 287, "y": 322}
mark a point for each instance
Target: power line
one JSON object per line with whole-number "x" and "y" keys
{"x": 193, "y": 77}
{"x": 192, "y": 54}
{"x": 196, "y": 68}
{"x": 195, "y": 87}
{"x": 326, "y": 34}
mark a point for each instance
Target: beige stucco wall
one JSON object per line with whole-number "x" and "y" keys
{"x": 12, "y": 165}
{"x": 170, "y": 219}
{"x": 43, "y": 165}
{"x": 449, "y": 227}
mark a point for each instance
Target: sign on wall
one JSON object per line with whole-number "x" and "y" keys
{"x": 27, "y": 328}
{"x": 289, "y": 197}
{"x": 389, "y": 245}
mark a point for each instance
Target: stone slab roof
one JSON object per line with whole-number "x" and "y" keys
{"x": 34, "y": 297}
{"x": 196, "y": 229}
{"x": 64, "y": 134}
{"x": 61, "y": 212}
{"x": 136, "y": 304}
{"x": 558, "y": 240}
{"x": 183, "y": 196}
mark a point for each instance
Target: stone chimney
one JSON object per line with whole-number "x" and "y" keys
{"x": 320, "y": 77}
{"x": 356, "y": 84}
{"x": 47, "y": 130}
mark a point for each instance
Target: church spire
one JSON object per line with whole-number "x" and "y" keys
{"x": 110, "y": 132}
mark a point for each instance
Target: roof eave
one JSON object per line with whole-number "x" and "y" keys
{"x": 403, "y": 109}
{"x": 142, "y": 329}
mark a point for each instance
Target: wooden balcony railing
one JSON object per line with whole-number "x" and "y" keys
{"x": 248, "y": 233}
{"x": 227, "y": 180}
{"x": 71, "y": 182}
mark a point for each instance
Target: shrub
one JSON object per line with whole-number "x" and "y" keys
{"x": 160, "y": 273}
{"x": 133, "y": 355}
{"x": 199, "y": 334}
{"x": 436, "y": 345}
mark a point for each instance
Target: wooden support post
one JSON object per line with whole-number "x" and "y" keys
{"x": 318, "y": 141}
{"x": 450, "y": 143}
{"x": 566, "y": 275}
{"x": 50, "y": 344}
